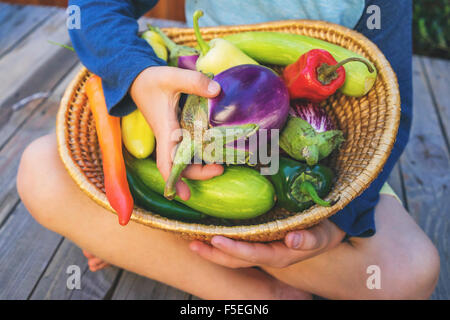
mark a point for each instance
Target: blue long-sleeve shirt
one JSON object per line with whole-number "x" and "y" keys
{"x": 108, "y": 45}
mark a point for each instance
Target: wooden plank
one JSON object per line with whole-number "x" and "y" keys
{"x": 18, "y": 21}
{"x": 38, "y": 71}
{"x": 134, "y": 287}
{"x": 40, "y": 123}
{"x": 32, "y": 52}
{"x": 165, "y": 292}
{"x": 96, "y": 285}
{"x": 44, "y": 80}
{"x": 425, "y": 168}
{"x": 437, "y": 73}
{"x": 25, "y": 249}
{"x": 7, "y": 10}
{"x": 53, "y": 284}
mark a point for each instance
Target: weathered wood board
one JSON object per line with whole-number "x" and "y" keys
{"x": 53, "y": 284}
{"x": 26, "y": 249}
{"x": 134, "y": 287}
{"x": 426, "y": 173}
{"x": 41, "y": 122}
{"x": 16, "y": 22}
{"x": 438, "y": 79}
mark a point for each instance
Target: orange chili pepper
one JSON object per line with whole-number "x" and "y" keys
{"x": 110, "y": 141}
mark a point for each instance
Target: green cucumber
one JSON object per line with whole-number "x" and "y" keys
{"x": 239, "y": 193}
{"x": 156, "y": 203}
{"x": 282, "y": 49}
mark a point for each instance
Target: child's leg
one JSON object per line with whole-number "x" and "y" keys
{"x": 407, "y": 260}
{"x": 57, "y": 203}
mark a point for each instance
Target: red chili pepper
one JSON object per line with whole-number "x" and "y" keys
{"x": 110, "y": 141}
{"x": 316, "y": 75}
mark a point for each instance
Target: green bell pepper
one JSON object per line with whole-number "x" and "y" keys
{"x": 299, "y": 186}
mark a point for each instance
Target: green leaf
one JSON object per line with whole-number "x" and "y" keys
{"x": 62, "y": 45}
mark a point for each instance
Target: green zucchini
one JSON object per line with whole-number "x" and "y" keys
{"x": 239, "y": 193}
{"x": 282, "y": 49}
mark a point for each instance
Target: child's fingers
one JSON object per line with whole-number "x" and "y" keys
{"x": 215, "y": 255}
{"x": 193, "y": 82}
{"x": 196, "y": 172}
{"x": 323, "y": 235}
{"x": 303, "y": 240}
{"x": 165, "y": 151}
{"x": 88, "y": 255}
{"x": 92, "y": 262}
{"x": 183, "y": 190}
{"x": 166, "y": 142}
{"x": 202, "y": 172}
{"x": 163, "y": 158}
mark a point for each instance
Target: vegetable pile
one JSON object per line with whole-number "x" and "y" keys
{"x": 254, "y": 100}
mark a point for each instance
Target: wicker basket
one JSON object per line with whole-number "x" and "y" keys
{"x": 369, "y": 123}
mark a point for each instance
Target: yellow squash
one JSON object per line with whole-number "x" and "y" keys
{"x": 157, "y": 43}
{"x": 137, "y": 135}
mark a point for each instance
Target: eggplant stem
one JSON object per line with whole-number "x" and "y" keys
{"x": 204, "y": 47}
{"x": 307, "y": 188}
{"x": 183, "y": 156}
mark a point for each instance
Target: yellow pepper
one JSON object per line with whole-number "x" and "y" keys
{"x": 137, "y": 135}
{"x": 219, "y": 55}
{"x": 157, "y": 44}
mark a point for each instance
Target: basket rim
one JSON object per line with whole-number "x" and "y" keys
{"x": 268, "y": 230}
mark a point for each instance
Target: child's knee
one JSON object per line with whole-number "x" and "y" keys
{"x": 34, "y": 175}
{"x": 408, "y": 260}
{"x": 422, "y": 272}
{"x": 413, "y": 271}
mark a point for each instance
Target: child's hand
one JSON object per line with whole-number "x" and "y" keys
{"x": 156, "y": 92}
{"x": 297, "y": 246}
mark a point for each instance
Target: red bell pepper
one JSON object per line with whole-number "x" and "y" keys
{"x": 316, "y": 75}
{"x": 110, "y": 141}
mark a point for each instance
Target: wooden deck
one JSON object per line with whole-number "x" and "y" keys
{"x": 33, "y": 260}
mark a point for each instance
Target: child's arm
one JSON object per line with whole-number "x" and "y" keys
{"x": 108, "y": 45}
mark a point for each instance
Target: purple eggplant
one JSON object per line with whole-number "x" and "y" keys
{"x": 312, "y": 113}
{"x": 187, "y": 62}
{"x": 250, "y": 94}
{"x": 252, "y": 97}
{"x": 309, "y": 134}
{"x": 179, "y": 56}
